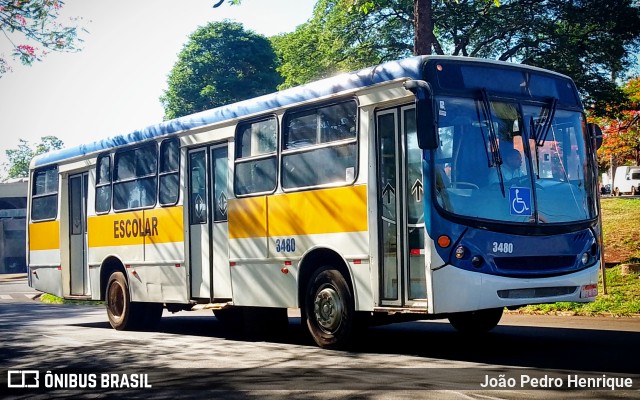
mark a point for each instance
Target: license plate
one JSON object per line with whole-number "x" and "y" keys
{"x": 588, "y": 291}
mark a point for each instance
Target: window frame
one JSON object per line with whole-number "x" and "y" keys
{"x": 238, "y": 159}
{"x": 46, "y": 194}
{"x": 116, "y": 155}
{"x": 162, "y": 174}
{"x": 109, "y": 183}
{"x": 355, "y": 140}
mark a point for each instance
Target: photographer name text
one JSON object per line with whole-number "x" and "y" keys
{"x": 572, "y": 381}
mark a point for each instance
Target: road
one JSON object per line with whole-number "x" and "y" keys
{"x": 192, "y": 355}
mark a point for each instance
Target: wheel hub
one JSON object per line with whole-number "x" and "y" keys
{"x": 328, "y": 309}
{"x": 116, "y": 300}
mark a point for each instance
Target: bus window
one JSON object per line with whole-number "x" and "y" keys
{"x": 103, "y": 184}
{"x": 135, "y": 178}
{"x": 307, "y": 138}
{"x": 255, "y": 170}
{"x": 44, "y": 203}
{"x": 169, "y": 176}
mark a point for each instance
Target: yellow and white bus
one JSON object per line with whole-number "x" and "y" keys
{"x": 378, "y": 193}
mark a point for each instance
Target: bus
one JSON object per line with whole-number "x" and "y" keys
{"x": 386, "y": 194}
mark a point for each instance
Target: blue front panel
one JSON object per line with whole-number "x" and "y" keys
{"x": 522, "y": 256}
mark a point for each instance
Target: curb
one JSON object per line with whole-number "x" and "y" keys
{"x": 12, "y": 277}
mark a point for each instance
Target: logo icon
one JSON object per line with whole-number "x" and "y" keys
{"x": 23, "y": 379}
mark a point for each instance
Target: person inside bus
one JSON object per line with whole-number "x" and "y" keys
{"x": 511, "y": 167}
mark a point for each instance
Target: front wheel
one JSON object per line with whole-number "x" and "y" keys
{"x": 329, "y": 309}
{"x": 634, "y": 191}
{"x": 474, "y": 322}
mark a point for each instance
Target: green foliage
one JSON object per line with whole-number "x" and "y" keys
{"x": 20, "y": 157}
{"x": 51, "y": 299}
{"x": 220, "y": 64}
{"x": 590, "y": 40}
{"x": 622, "y": 298}
{"x": 620, "y": 229}
{"x": 36, "y": 22}
{"x": 340, "y": 37}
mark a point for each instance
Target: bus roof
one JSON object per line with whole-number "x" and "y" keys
{"x": 406, "y": 68}
{"x": 409, "y": 68}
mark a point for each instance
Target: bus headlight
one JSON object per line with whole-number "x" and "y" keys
{"x": 585, "y": 258}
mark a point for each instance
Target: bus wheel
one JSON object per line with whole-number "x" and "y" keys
{"x": 329, "y": 309}
{"x": 119, "y": 306}
{"x": 475, "y": 322}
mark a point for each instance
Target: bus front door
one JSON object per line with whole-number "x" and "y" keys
{"x": 400, "y": 209}
{"x": 79, "y": 274}
{"x": 208, "y": 228}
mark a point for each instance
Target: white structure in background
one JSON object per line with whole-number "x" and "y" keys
{"x": 626, "y": 181}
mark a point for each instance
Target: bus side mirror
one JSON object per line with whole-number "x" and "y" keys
{"x": 596, "y": 135}
{"x": 425, "y": 115}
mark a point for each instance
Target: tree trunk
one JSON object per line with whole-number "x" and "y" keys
{"x": 423, "y": 40}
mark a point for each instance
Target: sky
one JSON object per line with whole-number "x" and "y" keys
{"x": 113, "y": 85}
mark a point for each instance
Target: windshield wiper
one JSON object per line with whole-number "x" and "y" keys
{"x": 542, "y": 130}
{"x": 496, "y": 160}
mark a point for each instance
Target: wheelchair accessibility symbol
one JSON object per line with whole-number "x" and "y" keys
{"x": 520, "y": 200}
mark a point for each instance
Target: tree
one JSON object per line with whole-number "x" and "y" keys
{"x": 20, "y": 158}
{"x": 621, "y": 133}
{"x": 342, "y": 36}
{"x": 220, "y": 64}
{"x": 592, "y": 41}
{"x": 25, "y": 21}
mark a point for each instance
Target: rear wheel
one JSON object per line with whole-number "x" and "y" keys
{"x": 123, "y": 313}
{"x": 118, "y": 300}
{"x": 329, "y": 309}
{"x": 634, "y": 191}
{"x": 474, "y": 322}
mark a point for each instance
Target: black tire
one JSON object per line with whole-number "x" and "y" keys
{"x": 329, "y": 309}
{"x": 124, "y": 314}
{"x": 633, "y": 191}
{"x": 475, "y": 322}
{"x": 118, "y": 301}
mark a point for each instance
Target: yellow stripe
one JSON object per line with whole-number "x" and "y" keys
{"x": 162, "y": 225}
{"x": 247, "y": 217}
{"x": 303, "y": 213}
{"x": 170, "y": 224}
{"x": 44, "y": 235}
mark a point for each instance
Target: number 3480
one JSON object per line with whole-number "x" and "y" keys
{"x": 500, "y": 247}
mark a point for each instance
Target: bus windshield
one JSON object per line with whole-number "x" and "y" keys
{"x": 512, "y": 162}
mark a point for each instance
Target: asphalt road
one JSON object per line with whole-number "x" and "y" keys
{"x": 193, "y": 355}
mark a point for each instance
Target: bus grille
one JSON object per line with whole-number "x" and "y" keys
{"x": 536, "y": 293}
{"x": 534, "y": 265}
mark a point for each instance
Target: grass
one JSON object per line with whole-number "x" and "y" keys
{"x": 620, "y": 218}
{"x": 51, "y": 299}
{"x": 622, "y": 298}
